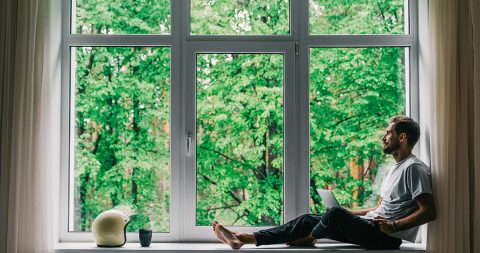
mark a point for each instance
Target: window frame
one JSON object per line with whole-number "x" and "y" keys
{"x": 191, "y": 231}
{"x": 296, "y": 47}
{"x": 70, "y": 40}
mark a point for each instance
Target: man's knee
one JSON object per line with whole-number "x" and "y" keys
{"x": 304, "y": 216}
{"x": 334, "y": 215}
{"x": 308, "y": 220}
{"x": 339, "y": 211}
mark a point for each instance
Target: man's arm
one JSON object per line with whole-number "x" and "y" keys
{"x": 425, "y": 213}
{"x": 361, "y": 212}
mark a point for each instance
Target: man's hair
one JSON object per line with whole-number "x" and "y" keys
{"x": 403, "y": 124}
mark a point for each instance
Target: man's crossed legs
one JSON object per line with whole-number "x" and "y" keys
{"x": 336, "y": 224}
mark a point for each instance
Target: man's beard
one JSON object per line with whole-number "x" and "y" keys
{"x": 392, "y": 147}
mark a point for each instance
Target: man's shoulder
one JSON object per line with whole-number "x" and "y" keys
{"x": 414, "y": 163}
{"x": 417, "y": 167}
{"x": 419, "y": 163}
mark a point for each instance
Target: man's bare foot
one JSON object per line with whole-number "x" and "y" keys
{"x": 227, "y": 236}
{"x": 246, "y": 238}
{"x": 219, "y": 236}
{"x": 305, "y": 241}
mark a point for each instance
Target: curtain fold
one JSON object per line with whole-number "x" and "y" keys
{"x": 454, "y": 73}
{"x": 475, "y": 157}
{"x": 29, "y": 129}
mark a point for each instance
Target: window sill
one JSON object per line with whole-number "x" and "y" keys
{"x": 217, "y": 247}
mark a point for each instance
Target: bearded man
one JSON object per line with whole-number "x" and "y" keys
{"x": 406, "y": 202}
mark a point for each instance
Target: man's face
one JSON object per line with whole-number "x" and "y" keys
{"x": 390, "y": 140}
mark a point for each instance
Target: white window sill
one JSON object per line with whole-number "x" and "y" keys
{"x": 220, "y": 248}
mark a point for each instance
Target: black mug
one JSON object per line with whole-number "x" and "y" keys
{"x": 145, "y": 237}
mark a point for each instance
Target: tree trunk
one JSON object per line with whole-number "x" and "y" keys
{"x": 356, "y": 171}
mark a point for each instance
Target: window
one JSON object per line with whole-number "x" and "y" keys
{"x": 255, "y": 17}
{"x": 122, "y": 135}
{"x": 181, "y": 112}
{"x": 120, "y": 17}
{"x": 239, "y": 170}
{"x": 349, "y": 103}
{"x": 357, "y": 17}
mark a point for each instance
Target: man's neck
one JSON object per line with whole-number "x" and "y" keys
{"x": 401, "y": 154}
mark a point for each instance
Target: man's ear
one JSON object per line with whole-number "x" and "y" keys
{"x": 402, "y": 137}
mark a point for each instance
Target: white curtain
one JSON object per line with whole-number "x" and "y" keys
{"x": 454, "y": 37}
{"x": 29, "y": 120}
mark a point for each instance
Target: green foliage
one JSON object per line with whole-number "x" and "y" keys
{"x": 122, "y": 134}
{"x": 240, "y": 17}
{"x": 352, "y": 94}
{"x": 240, "y": 139}
{"x": 122, "y": 17}
{"x": 356, "y": 17}
{"x": 122, "y": 111}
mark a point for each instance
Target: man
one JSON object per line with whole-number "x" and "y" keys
{"x": 406, "y": 202}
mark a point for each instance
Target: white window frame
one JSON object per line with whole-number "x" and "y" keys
{"x": 191, "y": 231}
{"x": 73, "y": 40}
{"x": 183, "y": 46}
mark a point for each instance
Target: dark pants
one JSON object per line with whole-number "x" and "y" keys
{"x": 336, "y": 224}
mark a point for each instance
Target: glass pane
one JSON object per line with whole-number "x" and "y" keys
{"x": 227, "y": 17}
{"x": 357, "y": 17}
{"x": 353, "y": 93}
{"x": 121, "y": 17}
{"x": 239, "y": 139}
{"x": 122, "y": 135}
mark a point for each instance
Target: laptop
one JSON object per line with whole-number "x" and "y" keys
{"x": 328, "y": 198}
{"x": 330, "y": 201}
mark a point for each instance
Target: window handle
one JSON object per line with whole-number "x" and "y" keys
{"x": 189, "y": 144}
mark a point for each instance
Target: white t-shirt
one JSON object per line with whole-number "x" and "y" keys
{"x": 402, "y": 184}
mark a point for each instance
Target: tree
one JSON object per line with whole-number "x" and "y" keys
{"x": 240, "y": 139}
{"x": 122, "y": 98}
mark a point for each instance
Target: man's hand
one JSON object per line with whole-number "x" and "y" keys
{"x": 308, "y": 240}
{"x": 386, "y": 226}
